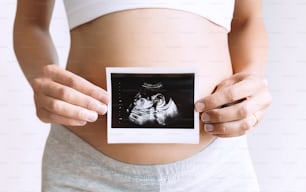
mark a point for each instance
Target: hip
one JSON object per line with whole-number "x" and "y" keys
{"x": 225, "y": 165}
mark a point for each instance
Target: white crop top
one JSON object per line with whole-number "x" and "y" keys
{"x": 82, "y": 11}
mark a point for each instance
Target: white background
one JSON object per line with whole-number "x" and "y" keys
{"x": 278, "y": 145}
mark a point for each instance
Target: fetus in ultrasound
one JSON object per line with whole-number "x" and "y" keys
{"x": 150, "y": 106}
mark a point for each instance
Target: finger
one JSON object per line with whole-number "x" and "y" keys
{"x": 61, "y": 108}
{"x": 238, "y": 111}
{"x": 76, "y": 82}
{"x": 232, "y": 94}
{"x": 48, "y": 117}
{"x": 259, "y": 115}
{"x": 227, "y": 82}
{"x": 200, "y": 106}
{"x": 231, "y": 129}
{"x": 74, "y": 97}
{"x": 234, "y": 129}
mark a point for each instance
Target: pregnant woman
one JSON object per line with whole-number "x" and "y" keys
{"x": 225, "y": 39}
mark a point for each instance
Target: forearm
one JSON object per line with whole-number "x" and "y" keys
{"x": 34, "y": 49}
{"x": 248, "y": 46}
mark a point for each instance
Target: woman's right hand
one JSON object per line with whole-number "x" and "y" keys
{"x": 65, "y": 98}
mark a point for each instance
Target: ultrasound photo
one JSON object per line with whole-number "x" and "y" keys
{"x": 152, "y": 100}
{"x": 152, "y": 105}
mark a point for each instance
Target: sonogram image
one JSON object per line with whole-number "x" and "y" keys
{"x": 151, "y": 105}
{"x": 152, "y": 100}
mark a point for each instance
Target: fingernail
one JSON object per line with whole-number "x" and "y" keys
{"x": 205, "y": 117}
{"x": 92, "y": 116}
{"x": 102, "y": 109}
{"x": 199, "y": 107}
{"x": 208, "y": 127}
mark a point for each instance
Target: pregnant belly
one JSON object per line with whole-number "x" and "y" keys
{"x": 148, "y": 38}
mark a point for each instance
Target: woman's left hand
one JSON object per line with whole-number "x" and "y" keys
{"x": 236, "y": 106}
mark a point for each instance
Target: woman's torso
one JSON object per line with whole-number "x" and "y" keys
{"x": 148, "y": 38}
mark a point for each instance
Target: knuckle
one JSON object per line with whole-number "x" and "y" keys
{"x": 245, "y": 125}
{"x": 206, "y": 101}
{"x": 90, "y": 104}
{"x": 72, "y": 82}
{"x": 243, "y": 111}
{"x": 210, "y": 102}
{"x": 48, "y": 69}
{"x": 65, "y": 94}
{"x": 37, "y": 84}
{"x": 223, "y": 84}
{"x": 55, "y": 106}
{"x": 230, "y": 95}
{"x": 94, "y": 92}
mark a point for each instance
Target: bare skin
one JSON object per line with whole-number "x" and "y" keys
{"x": 231, "y": 70}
